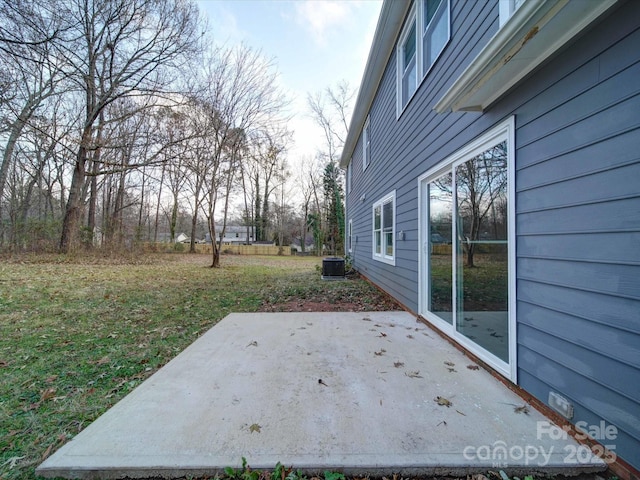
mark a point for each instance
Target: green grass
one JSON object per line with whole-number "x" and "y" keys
{"x": 76, "y": 335}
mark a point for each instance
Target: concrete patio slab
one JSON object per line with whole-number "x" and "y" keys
{"x": 355, "y": 392}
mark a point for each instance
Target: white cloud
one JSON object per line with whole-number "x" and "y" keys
{"x": 321, "y": 16}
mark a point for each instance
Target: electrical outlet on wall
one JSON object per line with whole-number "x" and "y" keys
{"x": 561, "y": 405}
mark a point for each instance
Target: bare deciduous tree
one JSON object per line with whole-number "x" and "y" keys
{"x": 117, "y": 49}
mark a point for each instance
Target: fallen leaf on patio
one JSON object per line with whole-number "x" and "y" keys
{"x": 409, "y": 336}
{"x": 442, "y": 401}
{"x": 321, "y": 382}
{"x": 450, "y": 364}
{"x": 463, "y": 414}
{"x": 380, "y": 353}
{"x": 415, "y": 374}
{"x": 377, "y": 325}
{"x": 522, "y": 409}
{"x": 451, "y": 370}
{"x": 398, "y": 364}
{"x": 382, "y": 334}
{"x": 253, "y": 344}
{"x": 366, "y": 319}
{"x": 442, "y": 423}
{"x": 473, "y": 367}
{"x": 254, "y": 428}
{"x": 13, "y": 461}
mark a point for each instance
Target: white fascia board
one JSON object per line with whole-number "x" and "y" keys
{"x": 536, "y": 31}
{"x": 389, "y": 24}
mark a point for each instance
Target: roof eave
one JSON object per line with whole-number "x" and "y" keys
{"x": 389, "y": 24}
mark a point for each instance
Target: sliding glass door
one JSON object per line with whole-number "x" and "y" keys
{"x": 467, "y": 257}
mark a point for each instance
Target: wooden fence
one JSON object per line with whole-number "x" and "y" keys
{"x": 228, "y": 249}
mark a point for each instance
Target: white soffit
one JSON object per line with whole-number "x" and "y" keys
{"x": 535, "y": 32}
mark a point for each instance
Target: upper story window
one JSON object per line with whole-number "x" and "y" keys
{"x": 435, "y": 31}
{"x": 348, "y": 179}
{"x": 407, "y": 62}
{"x": 423, "y": 38}
{"x": 366, "y": 144}
{"x": 507, "y": 8}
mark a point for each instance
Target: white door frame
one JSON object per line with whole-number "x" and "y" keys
{"x": 503, "y": 131}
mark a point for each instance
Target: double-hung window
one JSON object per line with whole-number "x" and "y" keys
{"x": 435, "y": 14}
{"x": 366, "y": 143}
{"x": 407, "y": 62}
{"x": 384, "y": 215}
{"x": 423, "y": 38}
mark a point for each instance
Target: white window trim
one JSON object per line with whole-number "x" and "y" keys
{"x": 366, "y": 143}
{"x": 416, "y": 15}
{"x": 348, "y": 175}
{"x": 422, "y": 32}
{"x": 507, "y": 8}
{"x": 502, "y": 131}
{"x": 350, "y": 236}
{"x": 382, "y": 256}
{"x": 412, "y": 19}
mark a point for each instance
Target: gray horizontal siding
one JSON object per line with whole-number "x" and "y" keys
{"x": 577, "y": 205}
{"x": 578, "y": 227}
{"x": 623, "y": 414}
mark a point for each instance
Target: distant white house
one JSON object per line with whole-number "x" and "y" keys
{"x": 235, "y": 235}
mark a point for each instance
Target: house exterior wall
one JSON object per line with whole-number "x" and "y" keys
{"x": 577, "y": 206}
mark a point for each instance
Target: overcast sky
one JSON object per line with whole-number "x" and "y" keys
{"x": 314, "y": 43}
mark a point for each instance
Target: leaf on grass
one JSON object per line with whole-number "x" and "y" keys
{"x": 442, "y": 401}
{"x": 103, "y": 361}
{"x": 255, "y": 428}
{"x": 473, "y": 367}
{"x": 415, "y": 374}
{"x": 3, "y": 364}
{"x": 48, "y": 394}
{"x": 47, "y": 452}
{"x": 13, "y": 461}
{"x": 522, "y": 409}
{"x": 398, "y": 364}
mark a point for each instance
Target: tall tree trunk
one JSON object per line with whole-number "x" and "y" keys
{"x": 93, "y": 190}
{"x": 73, "y": 210}
{"x": 194, "y": 218}
{"x": 16, "y": 130}
{"x": 155, "y": 230}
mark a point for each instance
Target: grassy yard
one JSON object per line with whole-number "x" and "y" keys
{"x": 76, "y": 335}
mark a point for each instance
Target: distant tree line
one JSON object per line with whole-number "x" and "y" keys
{"x": 120, "y": 123}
